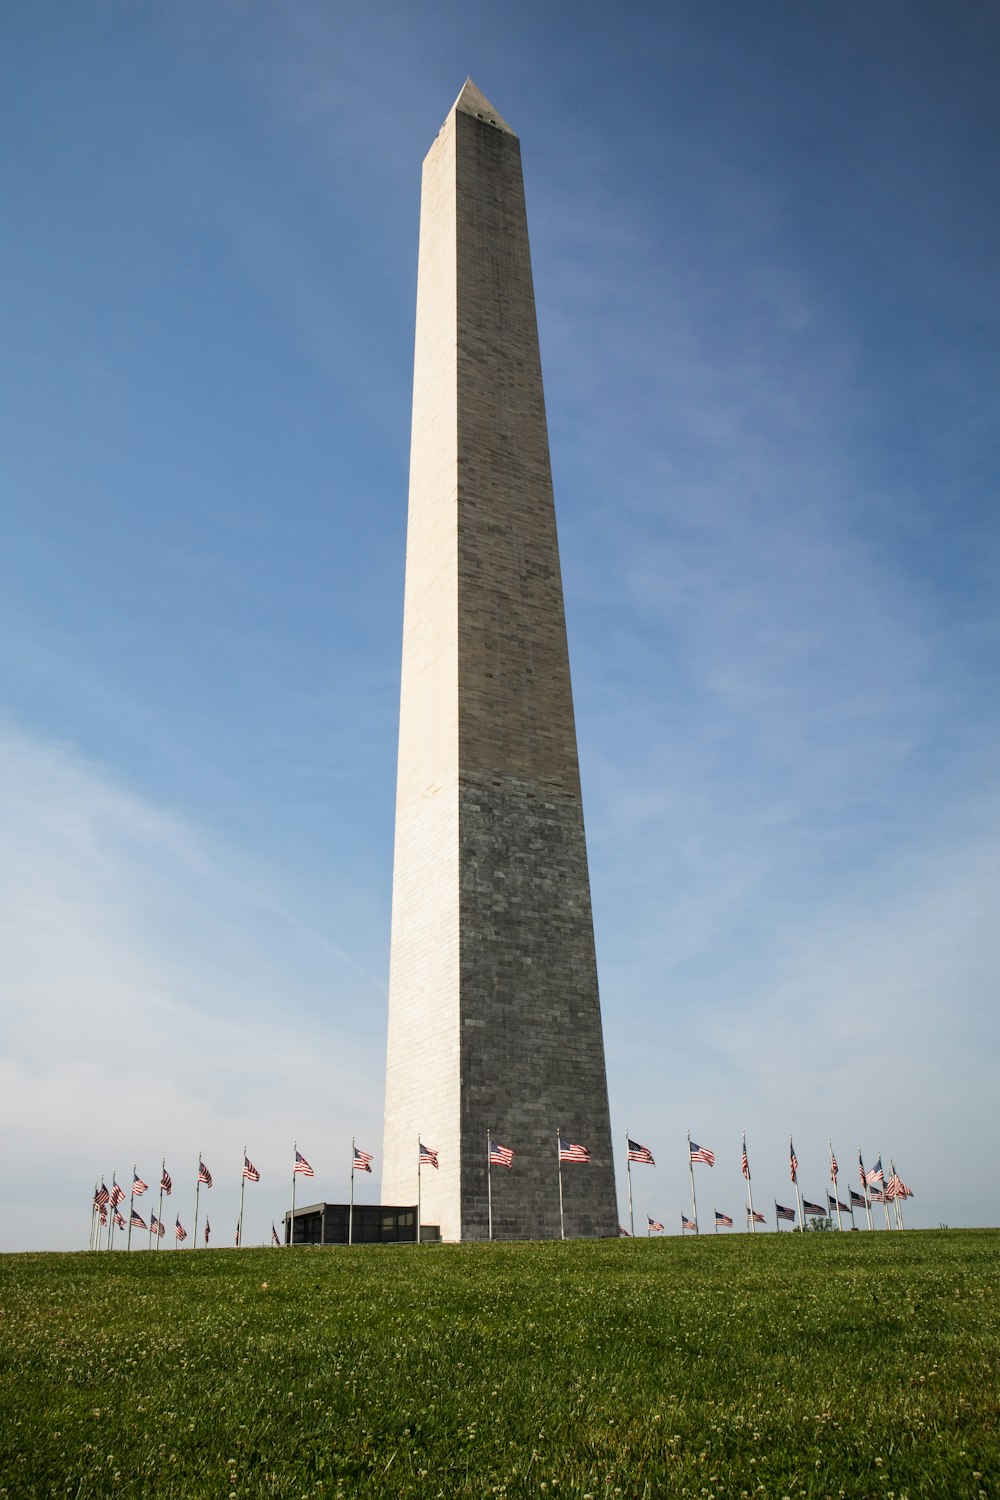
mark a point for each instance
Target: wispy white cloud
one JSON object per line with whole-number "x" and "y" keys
{"x": 158, "y": 998}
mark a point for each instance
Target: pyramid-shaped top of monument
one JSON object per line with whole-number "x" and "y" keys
{"x": 471, "y": 102}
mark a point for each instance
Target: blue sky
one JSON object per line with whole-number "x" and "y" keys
{"x": 765, "y": 251}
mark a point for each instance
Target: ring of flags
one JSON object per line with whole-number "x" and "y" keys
{"x": 876, "y": 1187}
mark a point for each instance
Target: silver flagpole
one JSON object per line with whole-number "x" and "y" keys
{"x": 833, "y": 1179}
{"x": 896, "y": 1207}
{"x": 131, "y": 1201}
{"x": 243, "y": 1188}
{"x": 798, "y": 1195}
{"x": 94, "y": 1215}
{"x": 562, "y": 1224}
{"x": 111, "y": 1214}
{"x": 694, "y": 1201}
{"x": 753, "y": 1222}
{"x": 777, "y": 1221}
{"x": 295, "y": 1157}
{"x": 489, "y": 1186}
{"x": 350, "y": 1210}
{"x": 885, "y": 1205}
{"x": 197, "y": 1195}
{"x": 716, "y": 1213}
{"x": 628, "y": 1170}
{"x": 864, "y": 1188}
{"x": 418, "y": 1190}
{"x": 159, "y": 1216}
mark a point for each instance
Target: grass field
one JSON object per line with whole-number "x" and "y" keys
{"x": 776, "y": 1365}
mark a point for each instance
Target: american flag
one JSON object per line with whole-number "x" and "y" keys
{"x": 793, "y": 1160}
{"x": 876, "y": 1195}
{"x": 208, "y": 1229}
{"x": 362, "y": 1160}
{"x": 746, "y": 1163}
{"x": 428, "y": 1158}
{"x": 570, "y": 1152}
{"x": 204, "y": 1175}
{"x": 701, "y": 1153}
{"x": 641, "y": 1154}
{"x": 137, "y": 1221}
{"x": 101, "y": 1196}
{"x": 166, "y": 1184}
{"x": 180, "y": 1233}
{"x": 274, "y": 1235}
{"x": 623, "y": 1232}
{"x": 784, "y": 1213}
{"x": 104, "y": 1214}
{"x": 835, "y": 1203}
{"x": 138, "y": 1186}
{"x": 157, "y": 1228}
{"x": 815, "y": 1209}
{"x": 757, "y": 1218}
{"x": 723, "y": 1219}
{"x": 237, "y": 1240}
{"x": 861, "y": 1170}
{"x": 687, "y": 1223}
{"x": 301, "y": 1165}
{"x": 858, "y": 1200}
{"x": 833, "y": 1166}
{"x": 896, "y": 1188}
{"x": 876, "y": 1174}
{"x": 117, "y": 1193}
{"x": 654, "y": 1224}
{"x": 500, "y": 1156}
{"x": 119, "y": 1220}
{"x": 249, "y": 1170}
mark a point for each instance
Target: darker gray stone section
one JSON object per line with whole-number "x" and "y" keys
{"x": 532, "y": 1049}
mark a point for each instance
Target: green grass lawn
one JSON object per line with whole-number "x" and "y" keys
{"x": 776, "y": 1365}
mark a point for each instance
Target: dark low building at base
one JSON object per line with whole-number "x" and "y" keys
{"x": 369, "y": 1224}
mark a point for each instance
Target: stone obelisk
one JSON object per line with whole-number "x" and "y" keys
{"x": 494, "y": 1013}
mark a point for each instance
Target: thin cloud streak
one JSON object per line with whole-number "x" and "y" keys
{"x": 159, "y": 995}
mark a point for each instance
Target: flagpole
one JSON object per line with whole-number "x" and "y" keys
{"x": 795, "y": 1183}
{"x": 864, "y": 1187}
{"x": 350, "y": 1211}
{"x": 243, "y": 1188}
{"x": 885, "y": 1205}
{"x": 833, "y": 1179}
{"x": 93, "y": 1216}
{"x": 694, "y": 1201}
{"x": 899, "y": 1200}
{"x": 562, "y": 1222}
{"x": 131, "y": 1201}
{"x": 295, "y": 1157}
{"x": 777, "y": 1221}
{"x": 753, "y": 1221}
{"x": 159, "y": 1216}
{"x": 194, "y": 1242}
{"x": 111, "y": 1213}
{"x": 489, "y": 1187}
{"x": 716, "y": 1213}
{"x": 895, "y": 1199}
{"x": 418, "y": 1189}
{"x": 628, "y": 1168}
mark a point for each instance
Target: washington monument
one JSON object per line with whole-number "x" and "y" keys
{"x": 494, "y": 1013}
